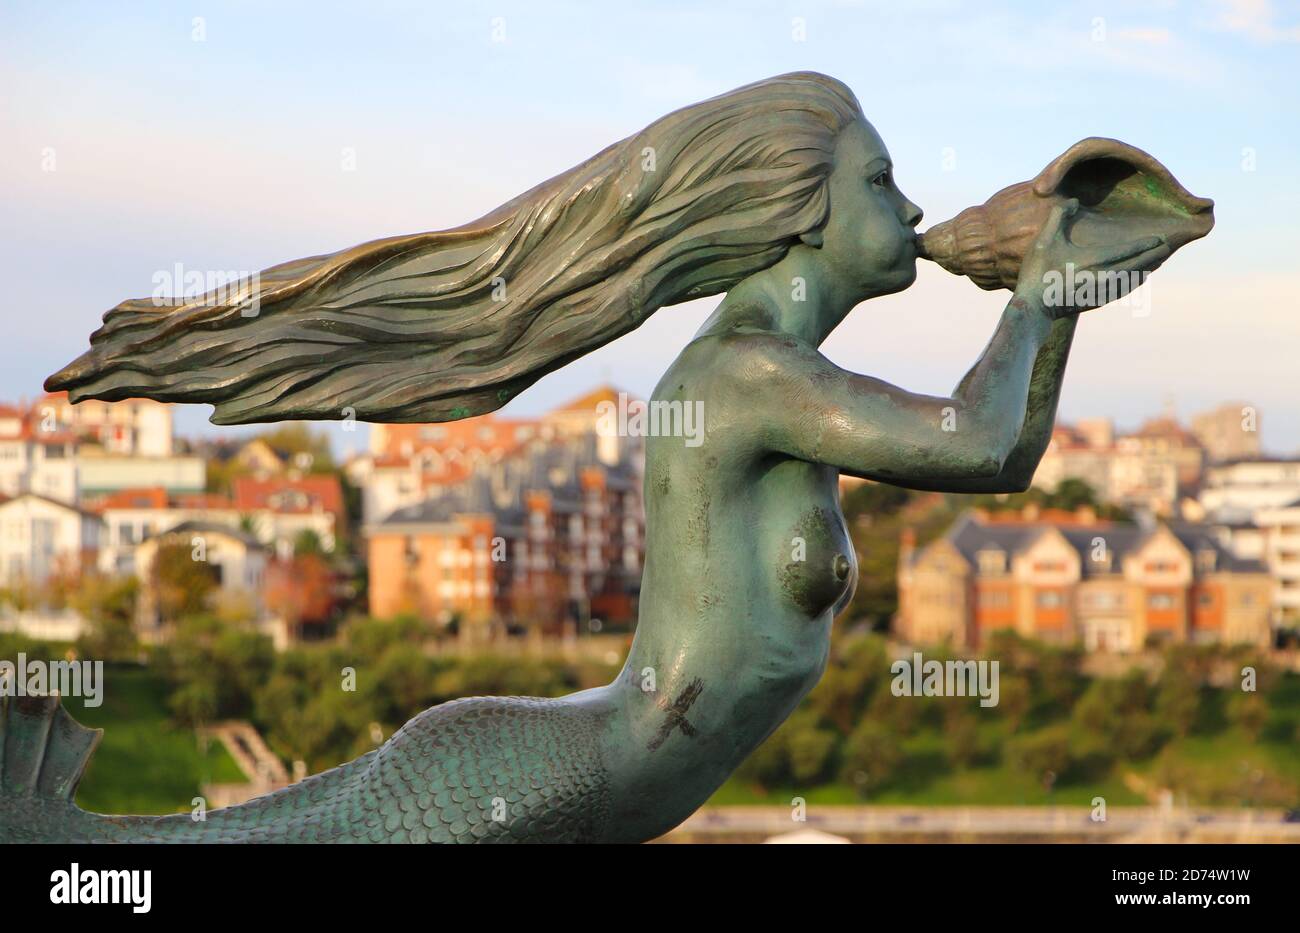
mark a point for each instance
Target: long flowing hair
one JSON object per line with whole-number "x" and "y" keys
{"x": 440, "y": 326}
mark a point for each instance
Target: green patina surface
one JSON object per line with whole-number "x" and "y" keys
{"x": 776, "y": 184}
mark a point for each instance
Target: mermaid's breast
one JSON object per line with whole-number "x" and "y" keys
{"x": 818, "y": 567}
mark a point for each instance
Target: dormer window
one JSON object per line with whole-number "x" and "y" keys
{"x": 1206, "y": 560}
{"x": 992, "y": 561}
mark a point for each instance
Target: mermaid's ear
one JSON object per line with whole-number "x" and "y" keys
{"x": 811, "y": 238}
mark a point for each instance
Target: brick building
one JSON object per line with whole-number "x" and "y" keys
{"x": 546, "y": 537}
{"x": 1069, "y": 578}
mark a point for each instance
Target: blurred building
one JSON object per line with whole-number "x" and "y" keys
{"x": 36, "y": 461}
{"x": 407, "y": 463}
{"x": 1229, "y": 432}
{"x": 1255, "y": 506}
{"x": 274, "y": 510}
{"x": 235, "y": 559}
{"x": 1280, "y": 550}
{"x": 279, "y": 509}
{"x": 1148, "y": 470}
{"x": 42, "y": 537}
{"x": 1069, "y": 578}
{"x": 1234, "y": 492}
{"x": 100, "y": 474}
{"x": 133, "y": 515}
{"x": 545, "y": 534}
{"x": 137, "y": 427}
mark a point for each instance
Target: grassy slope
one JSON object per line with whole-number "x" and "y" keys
{"x": 144, "y": 764}
{"x": 147, "y": 765}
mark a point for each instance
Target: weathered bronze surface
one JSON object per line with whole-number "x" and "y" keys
{"x": 1123, "y": 193}
{"x": 782, "y": 195}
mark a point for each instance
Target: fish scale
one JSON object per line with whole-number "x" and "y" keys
{"x": 436, "y": 779}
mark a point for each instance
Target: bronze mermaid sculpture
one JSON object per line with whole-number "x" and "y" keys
{"x": 779, "y": 194}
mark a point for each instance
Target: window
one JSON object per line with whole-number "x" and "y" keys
{"x": 1160, "y": 601}
{"x": 995, "y": 599}
{"x": 992, "y": 561}
{"x": 1049, "y": 599}
{"x": 1104, "y": 600}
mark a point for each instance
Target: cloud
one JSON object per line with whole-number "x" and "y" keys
{"x": 1150, "y": 36}
{"x": 1254, "y": 19}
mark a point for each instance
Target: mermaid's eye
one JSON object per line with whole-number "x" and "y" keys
{"x": 881, "y": 180}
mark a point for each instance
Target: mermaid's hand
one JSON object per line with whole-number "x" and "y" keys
{"x": 1064, "y": 278}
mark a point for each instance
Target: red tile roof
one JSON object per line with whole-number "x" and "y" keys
{"x": 321, "y": 491}
{"x": 148, "y": 497}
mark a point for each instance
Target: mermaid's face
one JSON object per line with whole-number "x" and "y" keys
{"x": 869, "y": 241}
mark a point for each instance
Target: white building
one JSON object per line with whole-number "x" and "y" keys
{"x": 40, "y": 536}
{"x": 100, "y": 474}
{"x": 1255, "y": 504}
{"x": 36, "y": 461}
{"x": 137, "y": 427}
{"x": 1280, "y": 529}
{"x": 1143, "y": 470}
{"x": 238, "y": 561}
{"x": 133, "y": 515}
{"x": 1234, "y": 492}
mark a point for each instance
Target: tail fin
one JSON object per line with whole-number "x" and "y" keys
{"x": 43, "y": 750}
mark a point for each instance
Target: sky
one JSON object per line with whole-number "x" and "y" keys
{"x": 236, "y": 135}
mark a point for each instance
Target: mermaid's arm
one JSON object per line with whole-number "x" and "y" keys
{"x": 866, "y": 427}
{"x": 1040, "y": 416}
{"x": 990, "y": 434}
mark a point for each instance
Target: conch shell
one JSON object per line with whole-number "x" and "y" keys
{"x": 1124, "y": 194}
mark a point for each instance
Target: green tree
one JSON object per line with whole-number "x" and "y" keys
{"x": 1248, "y": 711}
{"x": 872, "y": 758}
{"x": 961, "y": 732}
{"x": 215, "y": 669}
{"x": 1116, "y": 714}
{"x": 183, "y": 585}
{"x": 1044, "y": 754}
{"x": 108, "y": 606}
{"x": 1015, "y": 698}
{"x": 1178, "y": 700}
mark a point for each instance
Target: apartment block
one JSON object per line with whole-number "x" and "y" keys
{"x": 1147, "y": 470}
{"x": 548, "y": 537}
{"x": 1229, "y": 432}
